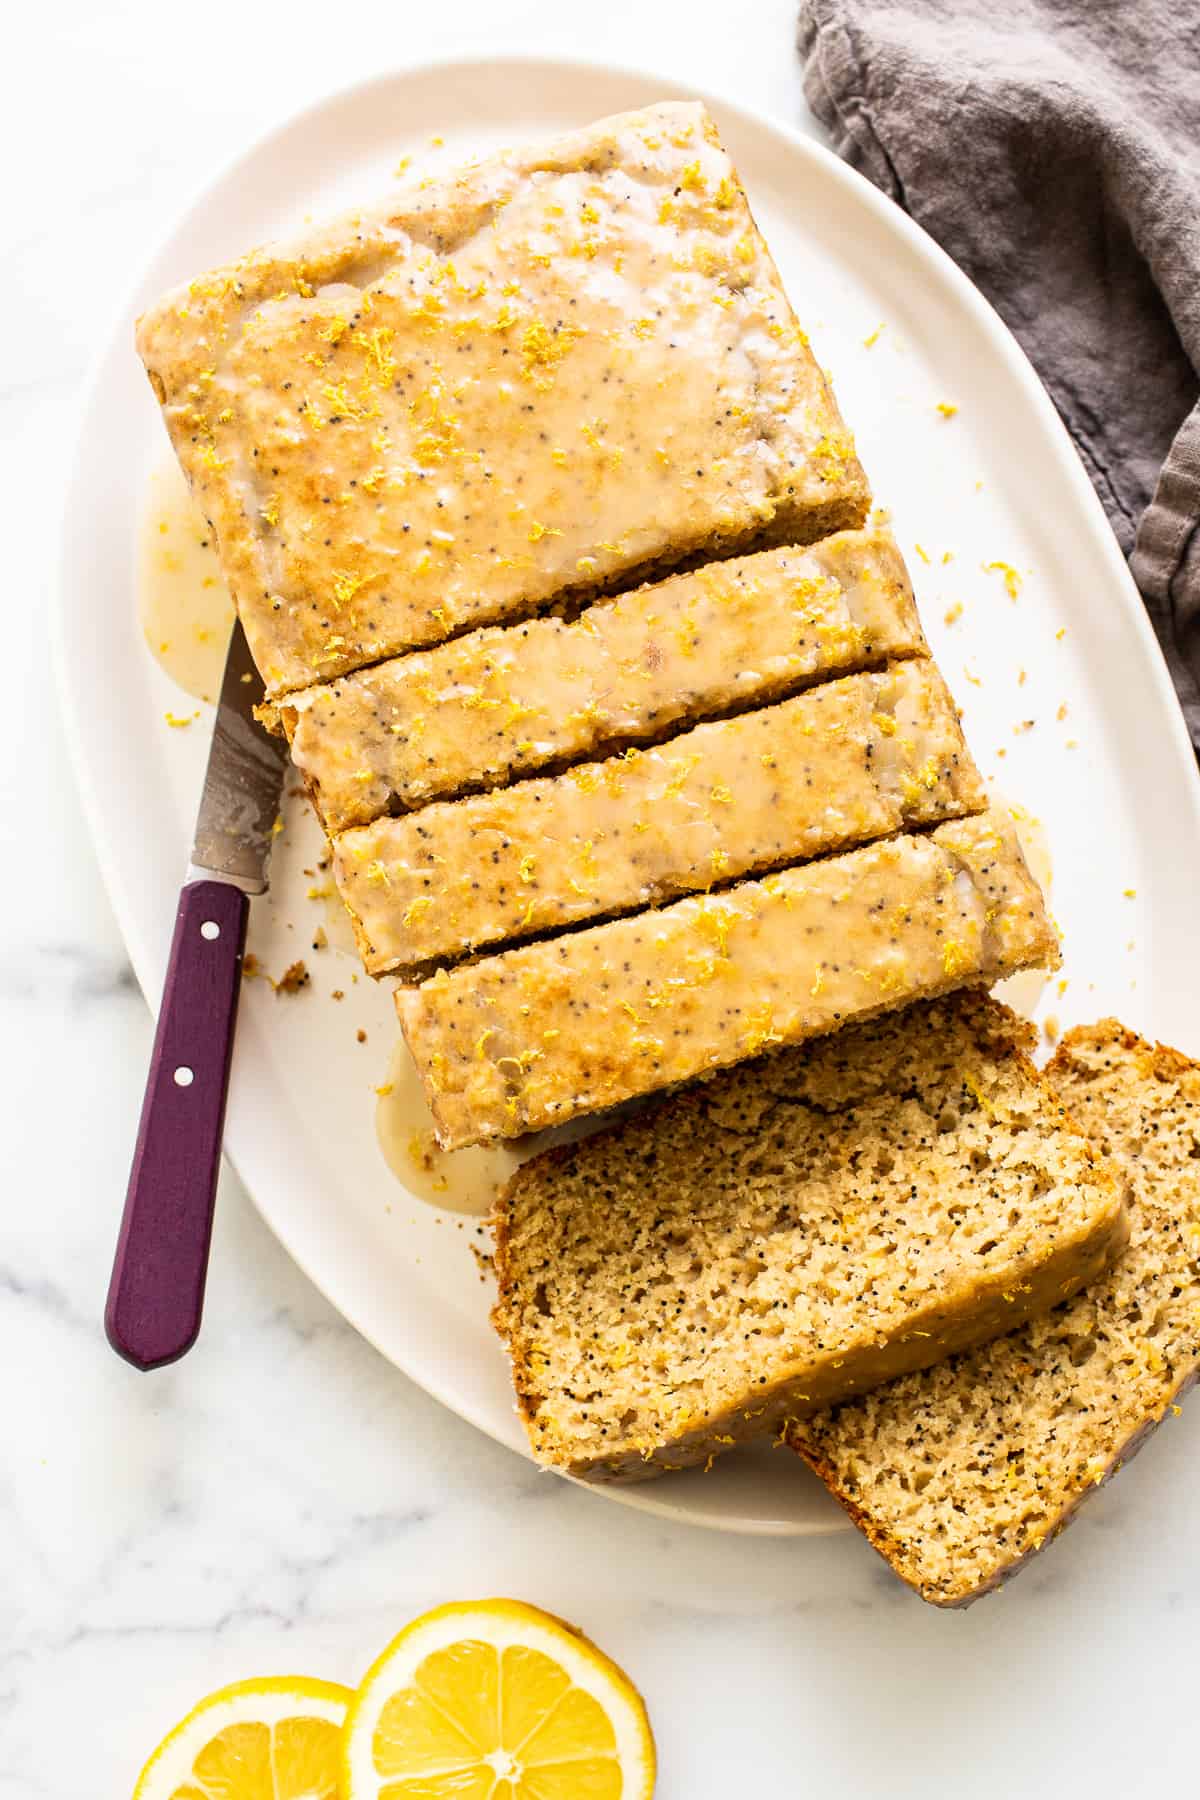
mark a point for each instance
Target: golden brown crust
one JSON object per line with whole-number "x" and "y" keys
{"x": 1161, "y": 1061}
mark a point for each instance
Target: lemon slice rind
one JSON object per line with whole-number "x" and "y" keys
{"x": 503, "y": 1624}
{"x": 266, "y": 1700}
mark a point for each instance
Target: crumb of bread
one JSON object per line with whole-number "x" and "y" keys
{"x": 177, "y": 722}
{"x": 953, "y": 613}
{"x": 870, "y": 342}
{"x": 294, "y": 977}
{"x": 361, "y": 1035}
{"x": 947, "y": 408}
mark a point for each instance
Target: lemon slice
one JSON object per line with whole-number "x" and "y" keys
{"x": 279, "y": 1738}
{"x": 494, "y": 1700}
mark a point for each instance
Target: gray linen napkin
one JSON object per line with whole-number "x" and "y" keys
{"x": 1052, "y": 147}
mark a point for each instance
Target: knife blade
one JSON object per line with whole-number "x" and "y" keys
{"x": 239, "y": 804}
{"x": 156, "y": 1294}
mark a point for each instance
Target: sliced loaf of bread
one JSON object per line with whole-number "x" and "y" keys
{"x": 796, "y": 1230}
{"x": 960, "y": 1473}
{"x": 578, "y": 1023}
{"x": 500, "y": 703}
{"x": 844, "y": 763}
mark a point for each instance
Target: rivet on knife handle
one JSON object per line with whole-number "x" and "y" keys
{"x": 156, "y": 1296}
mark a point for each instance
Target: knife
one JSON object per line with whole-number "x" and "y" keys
{"x": 156, "y": 1295}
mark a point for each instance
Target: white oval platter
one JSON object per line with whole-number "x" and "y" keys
{"x": 1067, "y": 703}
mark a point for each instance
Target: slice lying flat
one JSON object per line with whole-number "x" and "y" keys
{"x": 803, "y": 1227}
{"x": 959, "y": 1474}
{"x": 495, "y": 1700}
{"x": 277, "y": 1738}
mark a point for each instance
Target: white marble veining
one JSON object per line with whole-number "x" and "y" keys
{"x": 283, "y": 1499}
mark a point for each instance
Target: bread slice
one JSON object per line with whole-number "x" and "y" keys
{"x": 547, "y": 372}
{"x": 958, "y": 1475}
{"x": 580, "y": 1022}
{"x": 844, "y": 763}
{"x": 800, "y": 1228}
{"x": 506, "y": 701}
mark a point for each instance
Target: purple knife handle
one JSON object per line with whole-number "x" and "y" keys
{"x": 156, "y": 1296}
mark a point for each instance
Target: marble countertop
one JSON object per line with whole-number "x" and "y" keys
{"x": 284, "y": 1499}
